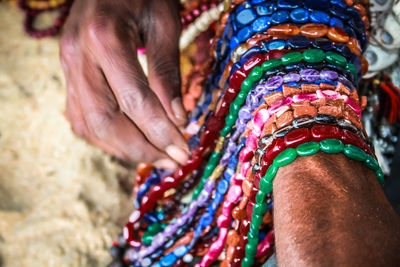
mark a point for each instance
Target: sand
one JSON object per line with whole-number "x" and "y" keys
{"x": 62, "y": 202}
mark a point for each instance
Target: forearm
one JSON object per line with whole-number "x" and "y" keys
{"x": 340, "y": 219}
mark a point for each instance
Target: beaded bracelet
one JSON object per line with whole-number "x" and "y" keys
{"x": 330, "y": 146}
{"x": 270, "y": 13}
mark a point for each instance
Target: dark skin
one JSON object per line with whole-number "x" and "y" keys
{"x": 329, "y": 210}
{"x": 110, "y": 102}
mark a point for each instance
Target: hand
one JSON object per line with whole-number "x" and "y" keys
{"x": 110, "y": 102}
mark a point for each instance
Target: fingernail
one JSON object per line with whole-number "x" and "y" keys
{"x": 179, "y": 111}
{"x": 177, "y": 153}
{"x": 165, "y": 164}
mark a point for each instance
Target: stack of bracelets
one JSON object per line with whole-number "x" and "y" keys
{"x": 283, "y": 84}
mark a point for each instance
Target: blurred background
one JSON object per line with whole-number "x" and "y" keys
{"x": 62, "y": 202}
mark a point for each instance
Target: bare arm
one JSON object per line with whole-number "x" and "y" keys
{"x": 330, "y": 210}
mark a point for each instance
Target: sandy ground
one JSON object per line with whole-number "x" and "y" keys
{"x": 60, "y": 199}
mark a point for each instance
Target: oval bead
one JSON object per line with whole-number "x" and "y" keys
{"x": 337, "y": 35}
{"x": 371, "y": 163}
{"x": 331, "y": 146}
{"x": 291, "y": 58}
{"x": 245, "y": 16}
{"x": 298, "y": 42}
{"x": 380, "y": 176}
{"x": 314, "y": 30}
{"x": 280, "y": 17}
{"x": 286, "y": 157}
{"x": 355, "y": 153}
{"x": 308, "y": 149}
{"x": 256, "y": 74}
{"x": 318, "y": 16}
{"x": 261, "y": 24}
{"x": 299, "y": 15}
{"x": 265, "y": 186}
{"x": 260, "y": 197}
{"x": 283, "y": 30}
{"x": 321, "y": 132}
{"x": 335, "y": 59}
{"x": 271, "y": 173}
{"x": 270, "y": 64}
{"x": 314, "y": 55}
{"x": 297, "y": 137}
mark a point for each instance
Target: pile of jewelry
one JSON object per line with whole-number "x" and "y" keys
{"x": 283, "y": 84}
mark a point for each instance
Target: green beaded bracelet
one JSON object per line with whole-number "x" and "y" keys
{"x": 330, "y": 146}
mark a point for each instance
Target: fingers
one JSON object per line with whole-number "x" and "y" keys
{"x": 162, "y": 47}
{"x": 117, "y": 58}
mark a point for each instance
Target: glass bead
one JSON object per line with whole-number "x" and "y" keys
{"x": 371, "y": 163}
{"x": 322, "y": 43}
{"x": 279, "y": 17}
{"x": 253, "y": 241}
{"x": 326, "y": 119}
{"x": 248, "y": 54}
{"x": 337, "y": 35}
{"x": 350, "y": 138}
{"x": 286, "y": 157}
{"x": 337, "y": 23}
{"x": 168, "y": 260}
{"x": 336, "y": 59}
{"x": 225, "y": 131}
{"x": 352, "y": 69}
{"x": 257, "y": 60}
{"x": 297, "y": 137}
{"x": 237, "y": 78}
{"x": 307, "y": 149}
{"x": 270, "y": 64}
{"x": 380, "y": 176}
{"x": 304, "y": 121}
{"x": 260, "y": 197}
{"x": 288, "y": 4}
{"x": 355, "y": 153}
{"x": 283, "y": 30}
{"x": 321, "y": 132}
{"x": 250, "y": 250}
{"x": 291, "y": 58}
{"x": 246, "y": 16}
{"x": 299, "y": 15}
{"x": 274, "y": 83}
{"x": 331, "y": 146}
{"x": 339, "y": 12}
{"x": 314, "y": 30}
{"x": 309, "y": 75}
{"x": 314, "y": 55}
{"x": 265, "y": 186}
{"x": 299, "y": 42}
{"x": 277, "y": 146}
{"x": 255, "y": 75}
{"x": 244, "y": 34}
{"x": 266, "y": 8}
{"x": 271, "y": 173}
{"x": 261, "y": 24}
{"x": 247, "y": 261}
{"x": 318, "y": 16}
{"x": 277, "y": 44}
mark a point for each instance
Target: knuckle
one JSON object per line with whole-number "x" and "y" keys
{"x": 99, "y": 29}
{"x": 131, "y": 101}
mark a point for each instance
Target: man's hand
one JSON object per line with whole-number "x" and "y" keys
{"x": 110, "y": 101}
